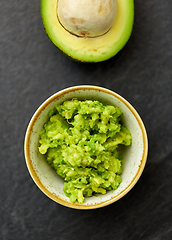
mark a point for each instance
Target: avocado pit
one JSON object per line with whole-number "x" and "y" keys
{"x": 87, "y": 18}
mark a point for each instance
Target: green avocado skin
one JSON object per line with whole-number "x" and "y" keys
{"x": 118, "y": 46}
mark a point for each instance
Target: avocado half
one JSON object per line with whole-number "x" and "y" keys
{"x": 90, "y": 49}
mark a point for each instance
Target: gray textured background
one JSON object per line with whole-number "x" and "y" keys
{"x": 32, "y": 69}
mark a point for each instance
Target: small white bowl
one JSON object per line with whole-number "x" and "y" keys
{"x": 134, "y": 156}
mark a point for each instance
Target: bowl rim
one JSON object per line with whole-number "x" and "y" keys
{"x": 33, "y": 172}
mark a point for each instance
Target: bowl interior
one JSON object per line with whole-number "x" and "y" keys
{"x": 134, "y": 156}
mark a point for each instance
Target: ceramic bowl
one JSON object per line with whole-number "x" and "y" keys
{"x": 134, "y": 156}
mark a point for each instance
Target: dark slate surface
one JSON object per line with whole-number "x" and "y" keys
{"x": 32, "y": 69}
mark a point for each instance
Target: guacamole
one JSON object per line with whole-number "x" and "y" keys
{"x": 80, "y": 141}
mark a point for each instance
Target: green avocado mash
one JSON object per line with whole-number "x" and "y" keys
{"x": 81, "y": 140}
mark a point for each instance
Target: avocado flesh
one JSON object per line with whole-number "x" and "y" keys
{"x": 90, "y": 49}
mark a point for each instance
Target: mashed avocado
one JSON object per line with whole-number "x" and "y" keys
{"x": 80, "y": 141}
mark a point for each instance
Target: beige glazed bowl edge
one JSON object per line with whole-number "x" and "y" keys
{"x": 40, "y": 172}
